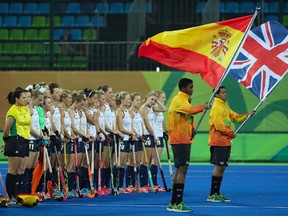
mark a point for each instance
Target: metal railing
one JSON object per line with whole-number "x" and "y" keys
{"x": 85, "y": 56}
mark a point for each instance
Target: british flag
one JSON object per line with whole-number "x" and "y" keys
{"x": 263, "y": 59}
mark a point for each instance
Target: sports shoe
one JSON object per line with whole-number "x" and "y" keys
{"x": 122, "y": 190}
{"x": 140, "y": 190}
{"x": 84, "y": 191}
{"x": 47, "y": 196}
{"x": 128, "y": 189}
{"x": 100, "y": 192}
{"x": 71, "y": 194}
{"x": 158, "y": 188}
{"x": 181, "y": 207}
{"x": 76, "y": 194}
{"x": 106, "y": 190}
{"x": 170, "y": 207}
{"x": 148, "y": 188}
{"x": 56, "y": 194}
{"x": 225, "y": 199}
{"x": 215, "y": 198}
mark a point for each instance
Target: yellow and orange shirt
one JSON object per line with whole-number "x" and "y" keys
{"x": 180, "y": 119}
{"x": 220, "y": 120}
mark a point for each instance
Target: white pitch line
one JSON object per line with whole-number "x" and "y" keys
{"x": 163, "y": 206}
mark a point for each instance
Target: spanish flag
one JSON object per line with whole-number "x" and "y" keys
{"x": 206, "y": 49}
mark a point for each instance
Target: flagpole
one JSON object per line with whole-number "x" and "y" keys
{"x": 228, "y": 67}
{"x": 248, "y": 117}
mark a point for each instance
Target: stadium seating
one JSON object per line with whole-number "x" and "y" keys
{"x": 116, "y": 7}
{"x": 73, "y": 7}
{"x": 4, "y": 8}
{"x": 232, "y": 7}
{"x": 19, "y": 61}
{"x": 76, "y": 34}
{"x": 4, "y": 34}
{"x": 34, "y": 62}
{"x": 24, "y": 21}
{"x": 24, "y": 48}
{"x": 16, "y": 34}
{"x": 30, "y": 8}
{"x": 246, "y": 7}
{"x": 30, "y": 34}
{"x": 5, "y": 62}
{"x": 67, "y": 21}
{"x": 43, "y": 34}
{"x": 9, "y": 21}
{"x": 79, "y": 62}
{"x": 43, "y": 8}
{"x": 82, "y": 21}
{"x": 16, "y": 8}
{"x": 39, "y": 21}
{"x": 274, "y": 7}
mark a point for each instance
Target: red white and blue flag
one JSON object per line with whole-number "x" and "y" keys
{"x": 263, "y": 60}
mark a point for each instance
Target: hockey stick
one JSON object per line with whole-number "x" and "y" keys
{"x": 93, "y": 161}
{"x": 136, "y": 189}
{"x": 113, "y": 191}
{"x": 77, "y": 170}
{"x": 99, "y": 189}
{"x": 44, "y": 173}
{"x": 169, "y": 161}
{"x": 65, "y": 166}
{"x": 62, "y": 179}
{"x": 92, "y": 190}
{"x": 148, "y": 170}
{"x": 161, "y": 172}
{"x": 51, "y": 172}
{"x": 116, "y": 163}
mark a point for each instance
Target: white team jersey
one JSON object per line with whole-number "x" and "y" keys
{"x": 77, "y": 121}
{"x": 56, "y": 117}
{"x": 159, "y": 124}
{"x": 47, "y": 121}
{"x": 138, "y": 123}
{"x": 126, "y": 123}
{"x": 35, "y": 123}
{"x": 83, "y": 121}
{"x": 102, "y": 121}
{"x": 91, "y": 129}
{"x": 151, "y": 120}
{"x": 113, "y": 120}
{"x": 67, "y": 122}
{"x": 107, "y": 115}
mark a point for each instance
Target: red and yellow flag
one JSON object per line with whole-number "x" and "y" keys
{"x": 205, "y": 49}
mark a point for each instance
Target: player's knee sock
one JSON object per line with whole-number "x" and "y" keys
{"x": 108, "y": 177}
{"x": 30, "y": 176}
{"x": 179, "y": 193}
{"x": 10, "y": 184}
{"x": 174, "y": 194}
{"x": 143, "y": 176}
{"x": 121, "y": 177}
{"x": 129, "y": 172}
{"x": 115, "y": 176}
{"x": 215, "y": 185}
{"x": 71, "y": 181}
{"x": 25, "y": 181}
{"x": 20, "y": 183}
{"x": 154, "y": 171}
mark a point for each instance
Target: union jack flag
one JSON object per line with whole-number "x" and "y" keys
{"x": 263, "y": 59}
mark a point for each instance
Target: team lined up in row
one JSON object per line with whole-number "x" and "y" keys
{"x": 98, "y": 137}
